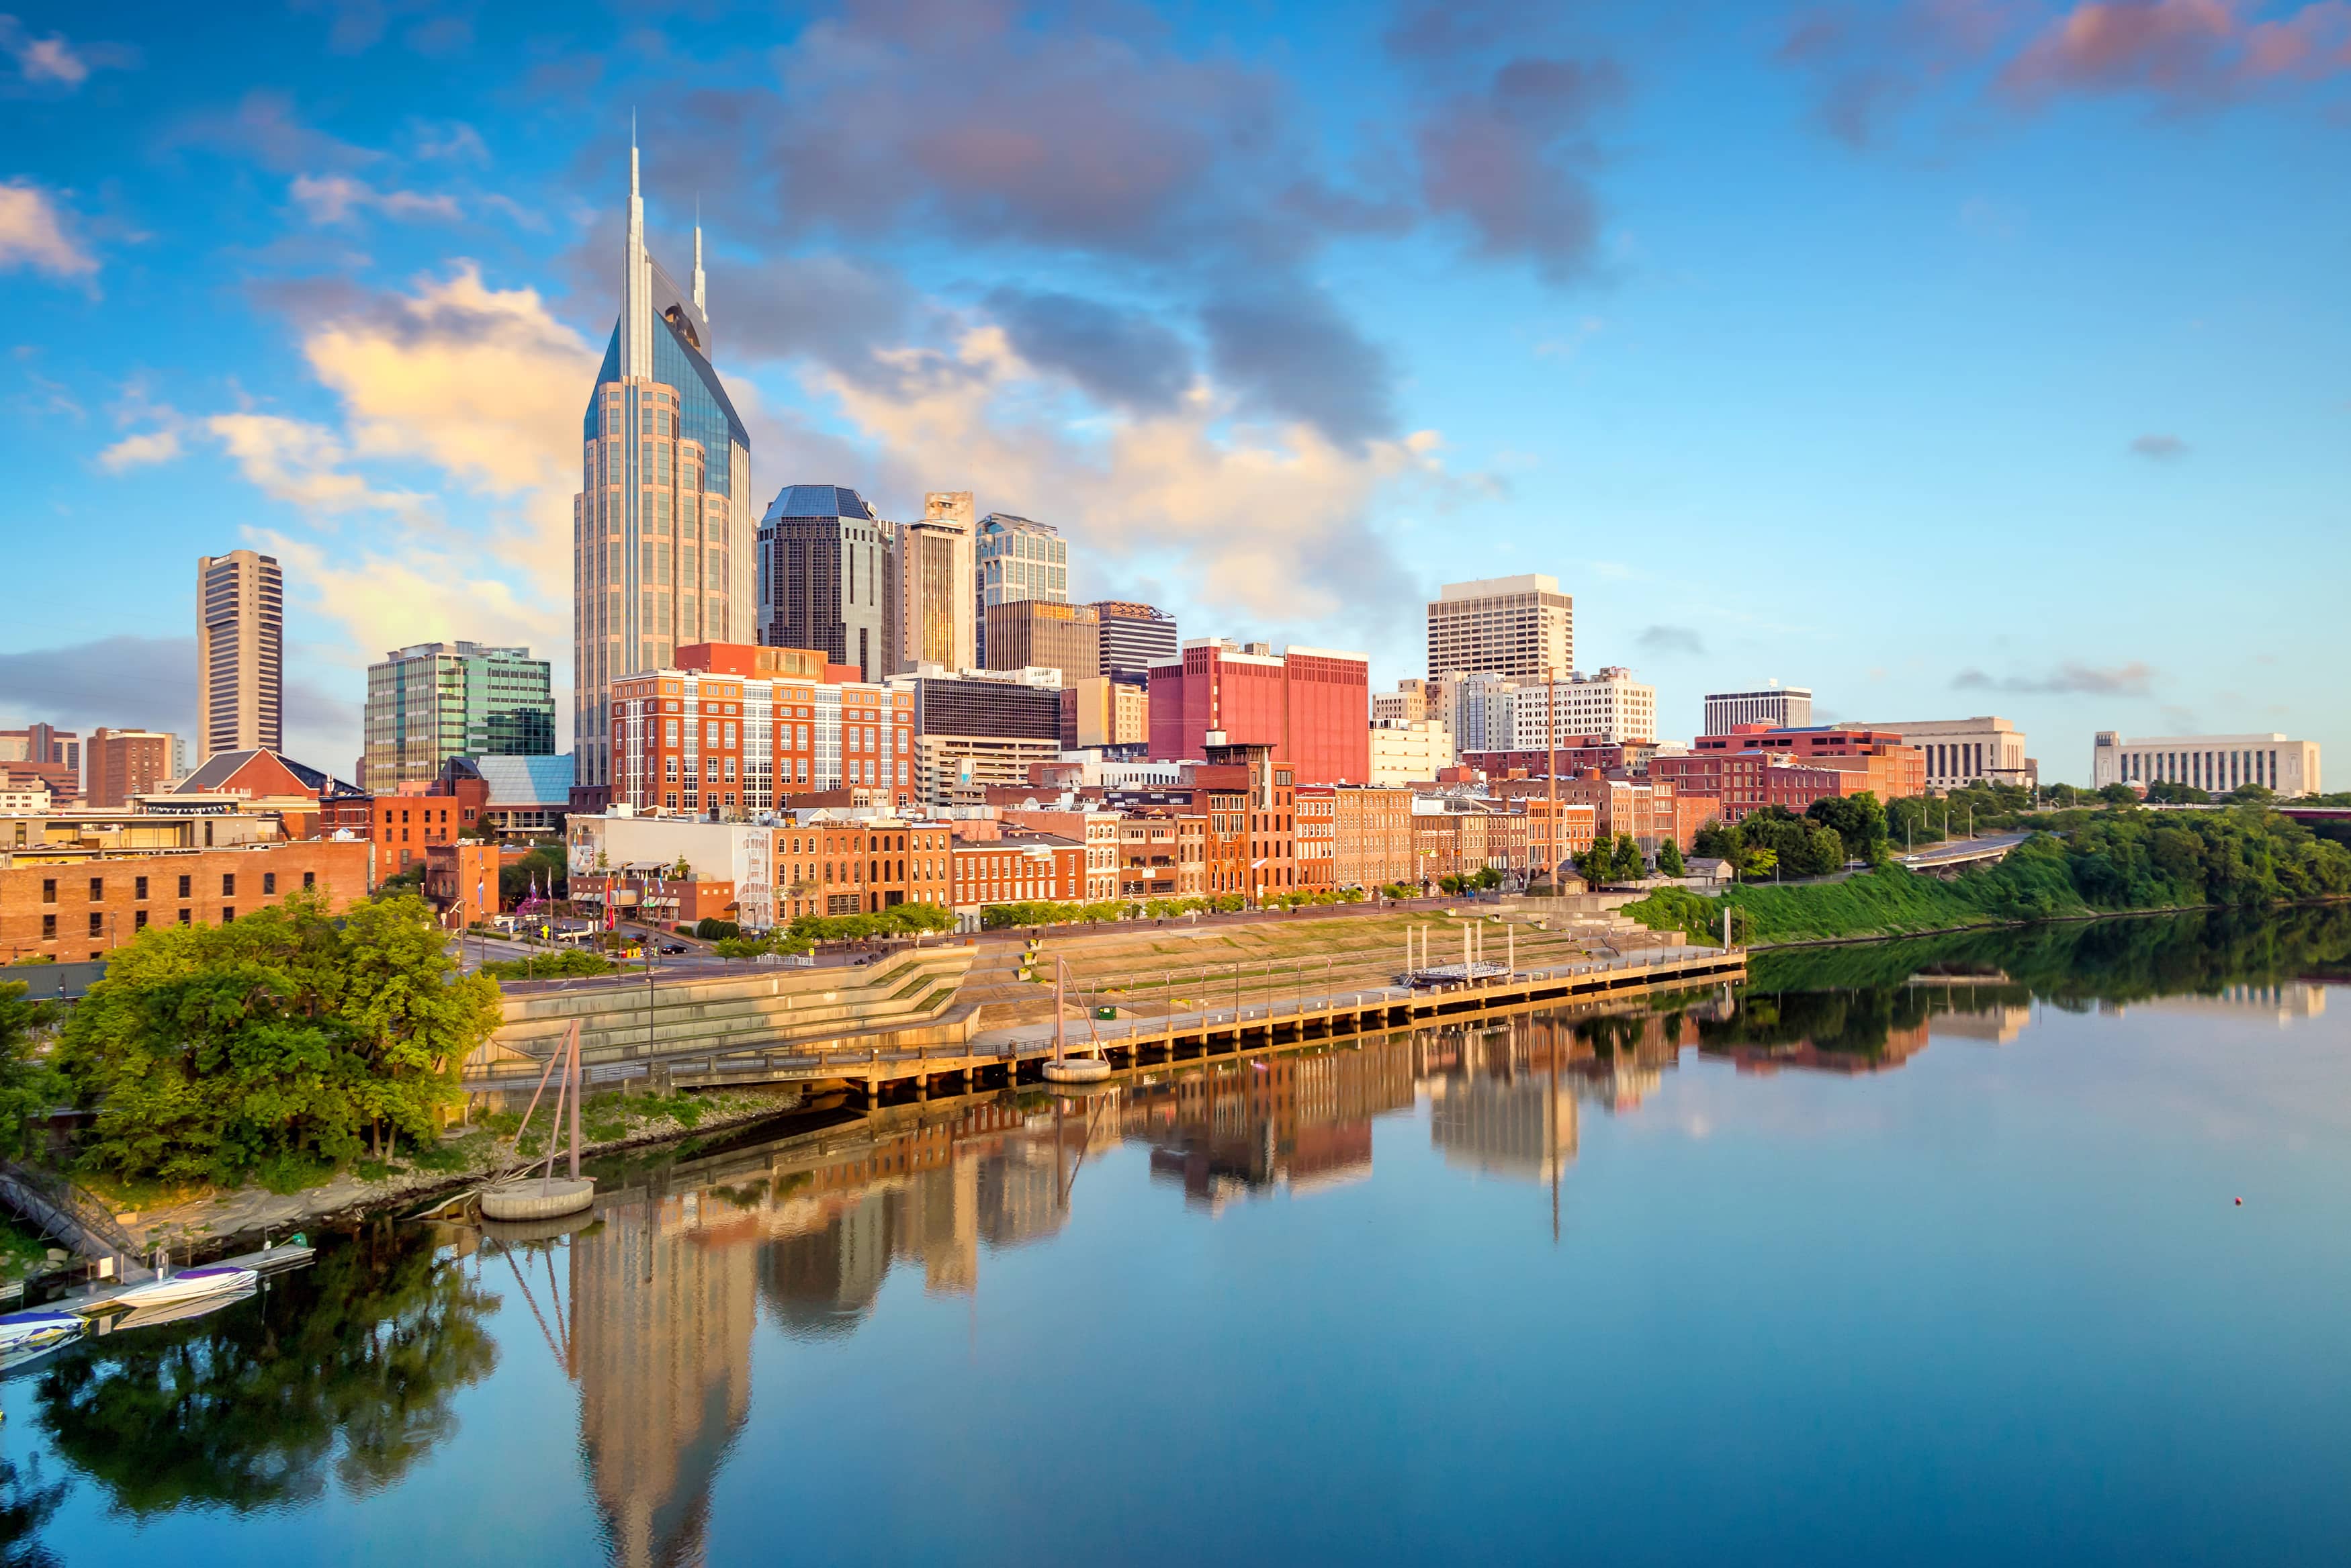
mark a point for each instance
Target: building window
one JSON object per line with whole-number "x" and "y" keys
{"x": 229, "y": 913}
{"x": 269, "y": 883}
{"x": 138, "y": 921}
{"x": 185, "y": 883}
{"x": 309, "y": 879}
{"x": 138, "y": 887}
{"x": 48, "y": 890}
{"x": 96, "y": 923}
{"x": 184, "y": 913}
{"x": 228, "y": 884}
{"x": 49, "y": 928}
{"x": 97, "y": 889}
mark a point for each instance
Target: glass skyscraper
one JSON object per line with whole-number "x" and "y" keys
{"x": 436, "y": 700}
{"x": 1017, "y": 559}
{"x": 663, "y": 527}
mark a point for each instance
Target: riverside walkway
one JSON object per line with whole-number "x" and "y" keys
{"x": 886, "y": 1072}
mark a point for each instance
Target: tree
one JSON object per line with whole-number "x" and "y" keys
{"x": 29, "y": 1083}
{"x": 1669, "y": 859}
{"x": 1858, "y": 819}
{"x": 1717, "y": 841}
{"x": 208, "y": 1050}
{"x": 1631, "y": 864}
{"x": 2119, "y": 795}
{"x": 1757, "y": 863}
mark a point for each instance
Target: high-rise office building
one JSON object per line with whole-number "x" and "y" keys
{"x": 937, "y": 592}
{"x": 1502, "y": 626}
{"x": 436, "y": 700}
{"x": 825, "y": 566}
{"x": 1134, "y": 637}
{"x": 1017, "y": 559}
{"x": 125, "y": 764}
{"x": 1041, "y": 634}
{"x": 661, "y": 526}
{"x": 240, "y": 654}
{"x": 1781, "y": 707}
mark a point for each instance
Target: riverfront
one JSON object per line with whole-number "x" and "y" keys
{"x": 1923, "y": 1251}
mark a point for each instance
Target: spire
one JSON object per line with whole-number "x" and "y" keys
{"x": 636, "y": 315}
{"x": 699, "y": 303}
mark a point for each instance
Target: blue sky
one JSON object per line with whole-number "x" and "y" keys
{"x": 1947, "y": 355}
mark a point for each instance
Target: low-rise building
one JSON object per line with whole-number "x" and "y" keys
{"x": 1097, "y": 830}
{"x": 2214, "y": 762}
{"x": 1409, "y": 751}
{"x": 1961, "y": 751}
{"x": 70, "y": 902}
{"x": 1163, "y": 854}
{"x": 1315, "y": 848}
{"x": 1371, "y": 832}
{"x": 1016, "y": 868}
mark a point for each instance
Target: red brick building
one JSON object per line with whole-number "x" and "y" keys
{"x": 463, "y": 876}
{"x": 1017, "y": 867}
{"x": 1251, "y": 806}
{"x": 1310, "y": 706}
{"x": 65, "y": 906}
{"x": 1746, "y": 782}
{"x": 122, "y": 764}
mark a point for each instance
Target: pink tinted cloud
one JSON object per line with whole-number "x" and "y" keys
{"x": 2190, "y": 53}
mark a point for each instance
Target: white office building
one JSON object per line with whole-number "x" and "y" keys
{"x": 1503, "y": 626}
{"x": 1609, "y": 707}
{"x": 1781, "y": 707}
{"x": 1961, "y": 751}
{"x": 2214, "y": 762}
{"x": 1409, "y": 751}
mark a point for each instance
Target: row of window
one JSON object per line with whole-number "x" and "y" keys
{"x": 187, "y": 883}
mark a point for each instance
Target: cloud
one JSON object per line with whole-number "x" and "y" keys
{"x": 2159, "y": 448}
{"x": 1671, "y": 640}
{"x": 452, "y": 141}
{"x": 1126, "y": 357}
{"x": 127, "y": 681}
{"x": 336, "y": 198}
{"x": 140, "y": 450}
{"x": 54, "y": 61}
{"x": 264, "y": 128}
{"x": 36, "y": 233}
{"x": 1870, "y": 63}
{"x": 2134, "y": 679}
{"x": 1509, "y": 158}
{"x": 1290, "y": 354}
{"x": 2186, "y": 53}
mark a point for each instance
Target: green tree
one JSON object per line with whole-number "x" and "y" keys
{"x": 1717, "y": 841}
{"x": 29, "y": 1083}
{"x": 209, "y": 1049}
{"x": 1858, "y": 819}
{"x": 1669, "y": 859}
{"x": 2119, "y": 795}
{"x": 1757, "y": 863}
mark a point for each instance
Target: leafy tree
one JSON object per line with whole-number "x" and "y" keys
{"x": 209, "y": 1049}
{"x": 1757, "y": 863}
{"x": 1717, "y": 841}
{"x": 1669, "y": 859}
{"x": 1858, "y": 819}
{"x": 29, "y": 1083}
{"x": 1630, "y": 865}
{"x": 2170, "y": 792}
{"x": 2119, "y": 795}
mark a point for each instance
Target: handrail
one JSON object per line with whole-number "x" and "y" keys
{"x": 64, "y": 1211}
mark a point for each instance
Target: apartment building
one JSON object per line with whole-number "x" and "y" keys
{"x": 68, "y": 902}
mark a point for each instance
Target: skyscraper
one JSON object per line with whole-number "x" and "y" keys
{"x": 936, "y": 591}
{"x": 240, "y": 654}
{"x": 1017, "y": 559}
{"x": 437, "y": 699}
{"x": 1502, "y": 626}
{"x": 662, "y": 528}
{"x": 825, "y": 571}
{"x": 1134, "y": 637}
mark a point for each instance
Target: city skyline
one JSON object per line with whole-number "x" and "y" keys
{"x": 1898, "y": 345}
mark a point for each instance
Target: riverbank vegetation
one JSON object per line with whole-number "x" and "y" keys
{"x": 209, "y": 1052}
{"x": 2116, "y": 859}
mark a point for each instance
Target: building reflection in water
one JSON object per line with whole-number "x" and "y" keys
{"x": 2283, "y": 1002}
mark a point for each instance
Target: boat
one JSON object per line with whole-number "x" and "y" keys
{"x": 36, "y": 1330}
{"x": 187, "y": 1285}
{"x": 154, "y": 1313}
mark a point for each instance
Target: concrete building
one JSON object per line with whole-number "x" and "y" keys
{"x": 828, "y": 579}
{"x": 1309, "y": 704}
{"x": 1960, "y": 752}
{"x": 1043, "y": 634}
{"x": 1409, "y": 751}
{"x": 123, "y": 764}
{"x": 662, "y": 528}
{"x": 1608, "y": 707}
{"x": 974, "y": 732}
{"x": 45, "y": 755}
{"x": 1410, "y": 702}
{"x": 240, "y": 654}
{"x": 1100, "y": 713}
{"x": 1016, "y": 558}
{"x": 1780, "y": 707}
{"x": 2214, "y": 762}
{"x": 1134, "y": 637}
{"x": 937, "y": 592}
{"x": 434, "y": 701}
{"x": 1502, "y": 626}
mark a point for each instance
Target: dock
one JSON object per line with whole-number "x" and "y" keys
{"x": 890, "y": 1072}
{"x": 269, "y": 1260}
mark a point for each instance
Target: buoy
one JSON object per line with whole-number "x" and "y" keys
{"x": 2241, "y": 1203}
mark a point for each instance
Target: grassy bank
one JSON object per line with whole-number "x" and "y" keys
{"x": 2115, "y": 862}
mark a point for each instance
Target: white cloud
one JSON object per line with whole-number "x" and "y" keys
{"x": 139, "y": 451}
{"x": 337, "y": 198}
{"x": 301, "y": 464}
{"x": 35, "y": 233}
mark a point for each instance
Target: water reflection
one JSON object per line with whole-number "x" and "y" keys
{"x": 348, "y": 1372}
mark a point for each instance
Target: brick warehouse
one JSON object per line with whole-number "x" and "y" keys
{"x": 60, "y": 906}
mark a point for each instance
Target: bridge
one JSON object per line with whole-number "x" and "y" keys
{"x": 1991, "y": 848}
{"x": 912, "y": 1059}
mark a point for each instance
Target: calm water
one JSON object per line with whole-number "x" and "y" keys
{"x": 1922, "y": 1253}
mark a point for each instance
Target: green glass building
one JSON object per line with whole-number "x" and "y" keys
{"x": 441, "y": 700}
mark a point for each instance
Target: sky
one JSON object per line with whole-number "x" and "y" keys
{"x": 1947, "y": 357}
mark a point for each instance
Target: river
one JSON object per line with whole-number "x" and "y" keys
{"x": 1919, "y": 1252}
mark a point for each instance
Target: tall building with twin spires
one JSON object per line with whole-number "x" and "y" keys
{"x": 663, "y": 527}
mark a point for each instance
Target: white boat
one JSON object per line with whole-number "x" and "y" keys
{"x": 187, "y": 1285}
{"x": 153, "y": 1313}
{"x": 36, "y": 1330}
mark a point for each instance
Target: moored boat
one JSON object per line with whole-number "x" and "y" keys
{"x": 188, "y": 1284}
{"x": 36, "y": 1330}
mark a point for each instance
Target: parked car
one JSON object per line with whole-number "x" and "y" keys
{"x": 673, "y": 948}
